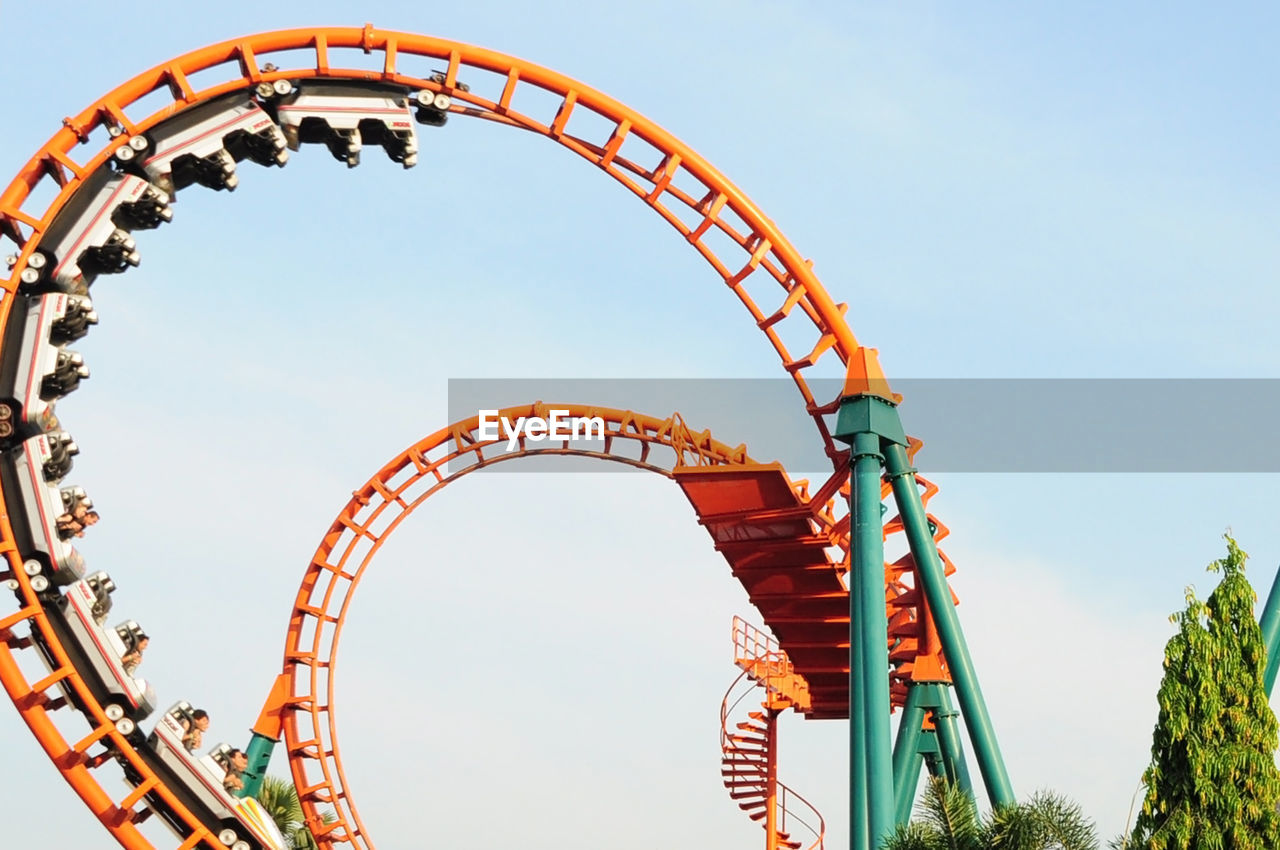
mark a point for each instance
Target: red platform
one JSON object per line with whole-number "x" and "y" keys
{"x": 790, "y": 571}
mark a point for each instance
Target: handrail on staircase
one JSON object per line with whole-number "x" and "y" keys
{"x": 752, "y": 643}
{"x": 785, "y": 812}
{"x": 766, "y": 662}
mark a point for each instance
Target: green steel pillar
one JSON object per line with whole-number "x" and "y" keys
{"x": 859, "y": 838}
{"x": 1271, "y": 633}
{"x": 873, "y": 624}
{"x": 934, "y": 585}
{"x": 944, "y": 717}
{"x": 940, "y": 747}
{"x": 259, "y": 756}
{"x": 863, "y": 423}
{"x": 904, "y": 794}
{"x": 907, "y": 756}
{"x": 932, "y": 753}
{"x": 907, "y": 743}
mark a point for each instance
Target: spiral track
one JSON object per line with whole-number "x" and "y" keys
{"x": 740, "y": 243}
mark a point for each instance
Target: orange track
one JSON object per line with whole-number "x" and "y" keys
{"x": 682, "y": 187}
{"x": 306, "y": 698}
{"x": 368, "y": 520}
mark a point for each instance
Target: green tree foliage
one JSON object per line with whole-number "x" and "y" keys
{"x": 280, "y": 799}
{"x": 1212, "y": 783}
{"x": 946, "y": 820}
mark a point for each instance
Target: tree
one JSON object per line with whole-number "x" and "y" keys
{"x": 1212, "y": 783}
{"x": 947, "y": 820}
{"x": 280, "y": 798}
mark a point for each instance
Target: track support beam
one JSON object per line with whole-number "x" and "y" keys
{"x": 259, "y": 757}
{"x": 266, "y": 732}
{"x": 869, "y": 423}
{"x": 927, "y": 732}
{"x": 858, "y": 834}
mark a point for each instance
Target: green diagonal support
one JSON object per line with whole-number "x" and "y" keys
{"x": 1270, "y": 623}
{"x": 934, "y": 585}
{"x": 949, "y": 739}
{"x": 907, "y": 756}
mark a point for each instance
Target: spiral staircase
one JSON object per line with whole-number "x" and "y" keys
{"x": 749, "y": 741}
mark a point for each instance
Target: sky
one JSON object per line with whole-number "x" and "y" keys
{"x": 1086, "y": 191}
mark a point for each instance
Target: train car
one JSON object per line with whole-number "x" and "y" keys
{"x": 202, "y": 145}
{"x": 35, "y": 368}
{"x": 432, "y": 108}
{"x": 97, "y": 652}
{"x": 239, "y": 823}
{"x": 33, "y": 470}
{"x": 345, "y": 115}
{"x": 90, "y": 236}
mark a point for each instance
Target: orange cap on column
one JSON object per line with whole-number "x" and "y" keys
{"x": 865, "y": 377}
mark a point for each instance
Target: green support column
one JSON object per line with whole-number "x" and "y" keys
{"x": 949, "y": 739}
{"x": 868, "y": 570}
{"x": 859, "y": 790}
{"x": 906, "y": 755}
{"x": 940, "y": 747}
{"x": 859, "y": 837}
{"x": 905, "y": 794}
{"x": 932, "y": 753}
{"x": 931, "y": 576}
{"x": 907, "y": 744}
{"x": 862, "y": 422}
{"x": 259, "y": 756}
{"x": 1271, "y": 633}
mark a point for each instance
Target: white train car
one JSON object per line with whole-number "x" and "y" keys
{"x": 239, "y": 823}
{"x": 202, "y": 145}
{"x": 90, "y": 236}
{"x": 344, "y": 116}
{"x": 35, "y": 369}
{"x": 33, "y": 470}
{"x": 97, "y": 652}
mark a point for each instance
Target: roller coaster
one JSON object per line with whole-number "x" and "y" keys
{"x": 846, "y": 575}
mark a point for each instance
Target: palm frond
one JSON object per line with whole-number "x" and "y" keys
{"x": 950, "y": 812}
{"x": 280, "y": 799}
{"x": 912, "y": 836}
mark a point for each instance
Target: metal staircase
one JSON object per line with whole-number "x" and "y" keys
{"x": 749, "y": 741}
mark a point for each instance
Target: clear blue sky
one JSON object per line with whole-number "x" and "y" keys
{"x": 1087, "y": 191}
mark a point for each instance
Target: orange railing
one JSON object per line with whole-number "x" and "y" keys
{"x": 789, "y": 802}
{"x": 764, "y": 661}
{"x": 727, "y": 706}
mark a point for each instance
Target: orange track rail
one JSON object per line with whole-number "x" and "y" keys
{"x": 681, "y": 186}
{"x": 306, "y": 701}
{"x": 368, "y": 520}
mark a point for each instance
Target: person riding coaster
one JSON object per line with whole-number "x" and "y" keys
{"x": 238, "y": 823}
